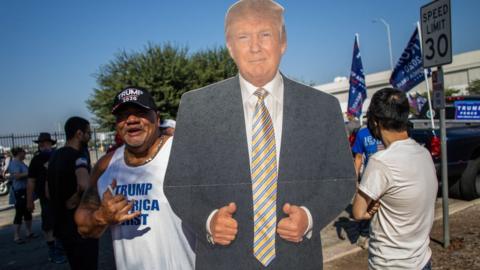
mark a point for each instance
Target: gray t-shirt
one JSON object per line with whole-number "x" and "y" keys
{"x": 17, "y": 166}
{"x": 403, "y": 178}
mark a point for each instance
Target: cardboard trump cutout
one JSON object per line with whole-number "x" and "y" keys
{"x": 217, "y": 152}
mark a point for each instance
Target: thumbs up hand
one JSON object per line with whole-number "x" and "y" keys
{"x": 223, "y": 226}
{"x": 293, "y": 227}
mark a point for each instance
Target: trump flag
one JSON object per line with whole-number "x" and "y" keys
{"x": 409, "y": 69}
{"x": 357, "y": 92}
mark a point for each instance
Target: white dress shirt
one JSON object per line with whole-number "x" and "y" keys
{"x": 274, "y": 103}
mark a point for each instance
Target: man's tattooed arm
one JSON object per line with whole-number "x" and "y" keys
{"x": 89, "y": 222}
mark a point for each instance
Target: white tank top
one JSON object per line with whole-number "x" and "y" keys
{"x": 155, "y": 239}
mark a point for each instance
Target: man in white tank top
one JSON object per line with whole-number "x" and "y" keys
{"x": 127, "y": 193}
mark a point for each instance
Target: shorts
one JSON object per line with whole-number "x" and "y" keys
{"x": 47, "y": 214}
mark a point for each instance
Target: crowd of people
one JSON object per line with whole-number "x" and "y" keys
{"x": 252, "y": 190}
{"x": 28, "y": 183}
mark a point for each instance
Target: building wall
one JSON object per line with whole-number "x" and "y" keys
{"x": 474, "y": 74}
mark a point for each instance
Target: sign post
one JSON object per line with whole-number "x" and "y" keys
{"x": 435, "y": 19}
{"x": 438, "y": 86}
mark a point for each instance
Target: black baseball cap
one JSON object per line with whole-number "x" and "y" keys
{"x": 134, "y": 95}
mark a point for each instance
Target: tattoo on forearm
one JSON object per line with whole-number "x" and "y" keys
{"x": 90, "y": 198}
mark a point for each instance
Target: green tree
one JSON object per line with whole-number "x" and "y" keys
{"x": 168, "y": 71}
{"x": 474, "y": 87}
{"x": 211, "y": 66}
{"x": 451, "y": 91}
{"x": 448, "y": 92}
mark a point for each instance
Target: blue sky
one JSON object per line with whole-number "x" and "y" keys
{"x": 51, "y": 49}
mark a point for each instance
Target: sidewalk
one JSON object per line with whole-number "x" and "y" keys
{"x": 335, "y": 248}
{"x": 462, "y": 254}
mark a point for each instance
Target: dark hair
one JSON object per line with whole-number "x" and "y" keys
{"x": 389, "y": 109}
{"x": 74, "y": 124}
{"x": 17, "y": 150}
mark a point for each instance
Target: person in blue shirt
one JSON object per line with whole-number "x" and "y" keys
{"x": 364, "y": 147}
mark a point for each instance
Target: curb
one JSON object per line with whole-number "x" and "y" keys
{"x": 8, "y": 207}
{"x": 455, "y": 207}
{"x": 353, "y": 250}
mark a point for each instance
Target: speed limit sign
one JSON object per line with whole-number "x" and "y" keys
{"x": 435, "y": 19}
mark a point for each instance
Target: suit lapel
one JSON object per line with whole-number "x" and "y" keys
{"x": 236, "y": 134}
{"x": 237, "y": 117}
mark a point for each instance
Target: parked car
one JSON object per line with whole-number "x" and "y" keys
{"x": 463, "y": 149}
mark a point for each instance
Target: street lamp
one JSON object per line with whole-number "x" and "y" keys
{"x": 389, "y": 38}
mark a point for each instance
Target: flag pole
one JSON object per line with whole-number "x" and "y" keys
{"x": 426, "y": 80}
{"x": 357, "y": 37}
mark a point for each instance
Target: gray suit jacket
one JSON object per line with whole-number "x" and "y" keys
{"x": 209, "y": 167}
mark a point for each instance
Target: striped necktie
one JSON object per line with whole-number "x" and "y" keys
{"x": 264, "y": 181}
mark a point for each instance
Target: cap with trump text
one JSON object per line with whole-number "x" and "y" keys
{"x": 133, "y": 95}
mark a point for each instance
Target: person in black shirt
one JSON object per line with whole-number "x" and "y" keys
{"x": 37, "y": 176}
{"x": 68, "y": 176}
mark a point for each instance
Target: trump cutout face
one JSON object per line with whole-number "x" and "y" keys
{"x": 256, "y": 45}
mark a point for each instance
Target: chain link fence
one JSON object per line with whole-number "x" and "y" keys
{"x": 100, "y": 142}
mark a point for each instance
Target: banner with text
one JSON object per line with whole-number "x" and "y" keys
{"x": 408, "y": 72}
{"x": 467, "y": 110}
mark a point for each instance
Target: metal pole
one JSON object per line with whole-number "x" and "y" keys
{"x": 443, "y": 138}
{"x": 389, "y": 39}
{"x": 389, "y": 45}
{"x": 425, "y": 74}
